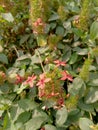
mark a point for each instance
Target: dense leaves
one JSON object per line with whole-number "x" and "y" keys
{"x": 48, "y": 65}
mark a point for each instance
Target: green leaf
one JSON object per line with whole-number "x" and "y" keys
{"x": 34, "y": 123}
{"x": 92, "y": 95}
{"x": 8, "y": 17}
{"x": 14, "y": 112}
{"x": 60, "y": 45}
{"x": 61, "y": 116}
{"x": 73, "y": 58}
{"x": 94, "y": 30}
{"x": 93, "y": 82}
{"x": 53, "y": 17}
{"x": 21, "y": 88}
{"x": 67, "y": 25}
{"x": 24, "y": 38}
{"x": 85, "y": 124}
{"x": 42, "y": 50}
{"x": 53, "y": 25}
{"x": 60, "y": 31}
{"x": 78, "y": 87}
{"x": 3, "y": 58}
{"x": 27, "y": 104}
{"x": 35, "y": 59}
{"x": 84, "y": 74}
{"x": 24, "y": 57}
{"x": 20, "y": 126}
{"x": 4, "y": 88}
{"x": 13, "y": 127}
{"x": 85, "y": 107}
{"x": 7, "y": 122}
{"x": 78, "y": 32}
{"x": 24, "y": 117}
{"x": 67, "y": 53}
{"x": 50, "y": 127}
{"x": 38, "y": 118}
{"x": 82, "y": 51}
{"x": 73, "y": 115}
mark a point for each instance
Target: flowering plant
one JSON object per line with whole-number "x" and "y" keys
{"x": 48, "y": 65}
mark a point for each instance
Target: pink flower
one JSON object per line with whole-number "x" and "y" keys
{"x": 42, "y": 128}
{"x": 41, "y": 93}
{"x": 52, "y": 95}
{"x": 42, "y": 81}
{"x": 60, "y": 102}
{"x": 59, "y": 63}
{"x": 35, "y": 24}
{"x": 38, "y": 22}
{"x": 65, "y": 76}
{"x": 30, "y": 81}
{"x": 19, "y": 79}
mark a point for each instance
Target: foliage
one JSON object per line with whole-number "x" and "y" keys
{"x": 48, "y": 65}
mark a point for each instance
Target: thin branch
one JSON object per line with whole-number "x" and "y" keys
{"x": 41, "y": 61}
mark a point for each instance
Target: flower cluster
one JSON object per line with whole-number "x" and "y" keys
{"x": 49, "y": 83}
{"x": 30, "y": 81}
{"x": 38, "y": 26}
{"x": 59, "y": 63}
{"x": 19, "y": 79}
{"x": 66, "y": 76}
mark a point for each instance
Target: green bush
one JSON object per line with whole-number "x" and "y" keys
{"x": 48, "y": 65}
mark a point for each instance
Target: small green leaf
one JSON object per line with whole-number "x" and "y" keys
{"x": 86, "y": 107}
{"x": 94, "y": 30}
{"x": 61, "y": 116}
{"x": 53, "y": 17}
{"x": 50, "y": 127}
{"x": 35, "y": 123}
{"x": 3, "y": 58}
{"x": 8, "y": 17}
{"x": 22, "y": 87}
{"x": 82, "y": 51}
{"x": 84, "y": 74}
{"x": 67, "y": 25}
{"x": 78, "y": 88}
{"x": 7, "y": 122}
{"x": 24, "y": 117}
{"x": 42, "y": 50}
{"x": 73, "y": 58}
{"x": 60, "y": 31}
{"x": 38, "y": 118}
{"x": 35, "y": 59}
{"x": 93, "y": 82}
{"x": 24, "y": 38}
{"x": 92, "y": 95}
{"x": 60, "y": 46}
{"x": 23, "y": 57}
{"x": 85, "y": 124}
{"x": 74, "y": 115}
{"x": 78, "y": 32}
{"x": 27, "y": 104}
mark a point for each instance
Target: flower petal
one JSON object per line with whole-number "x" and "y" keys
{"x": 64, "y": 78}
{"x": 69, "y": 77}
{"x": 47, "y": 80}
{"x": 42, "y": 76}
